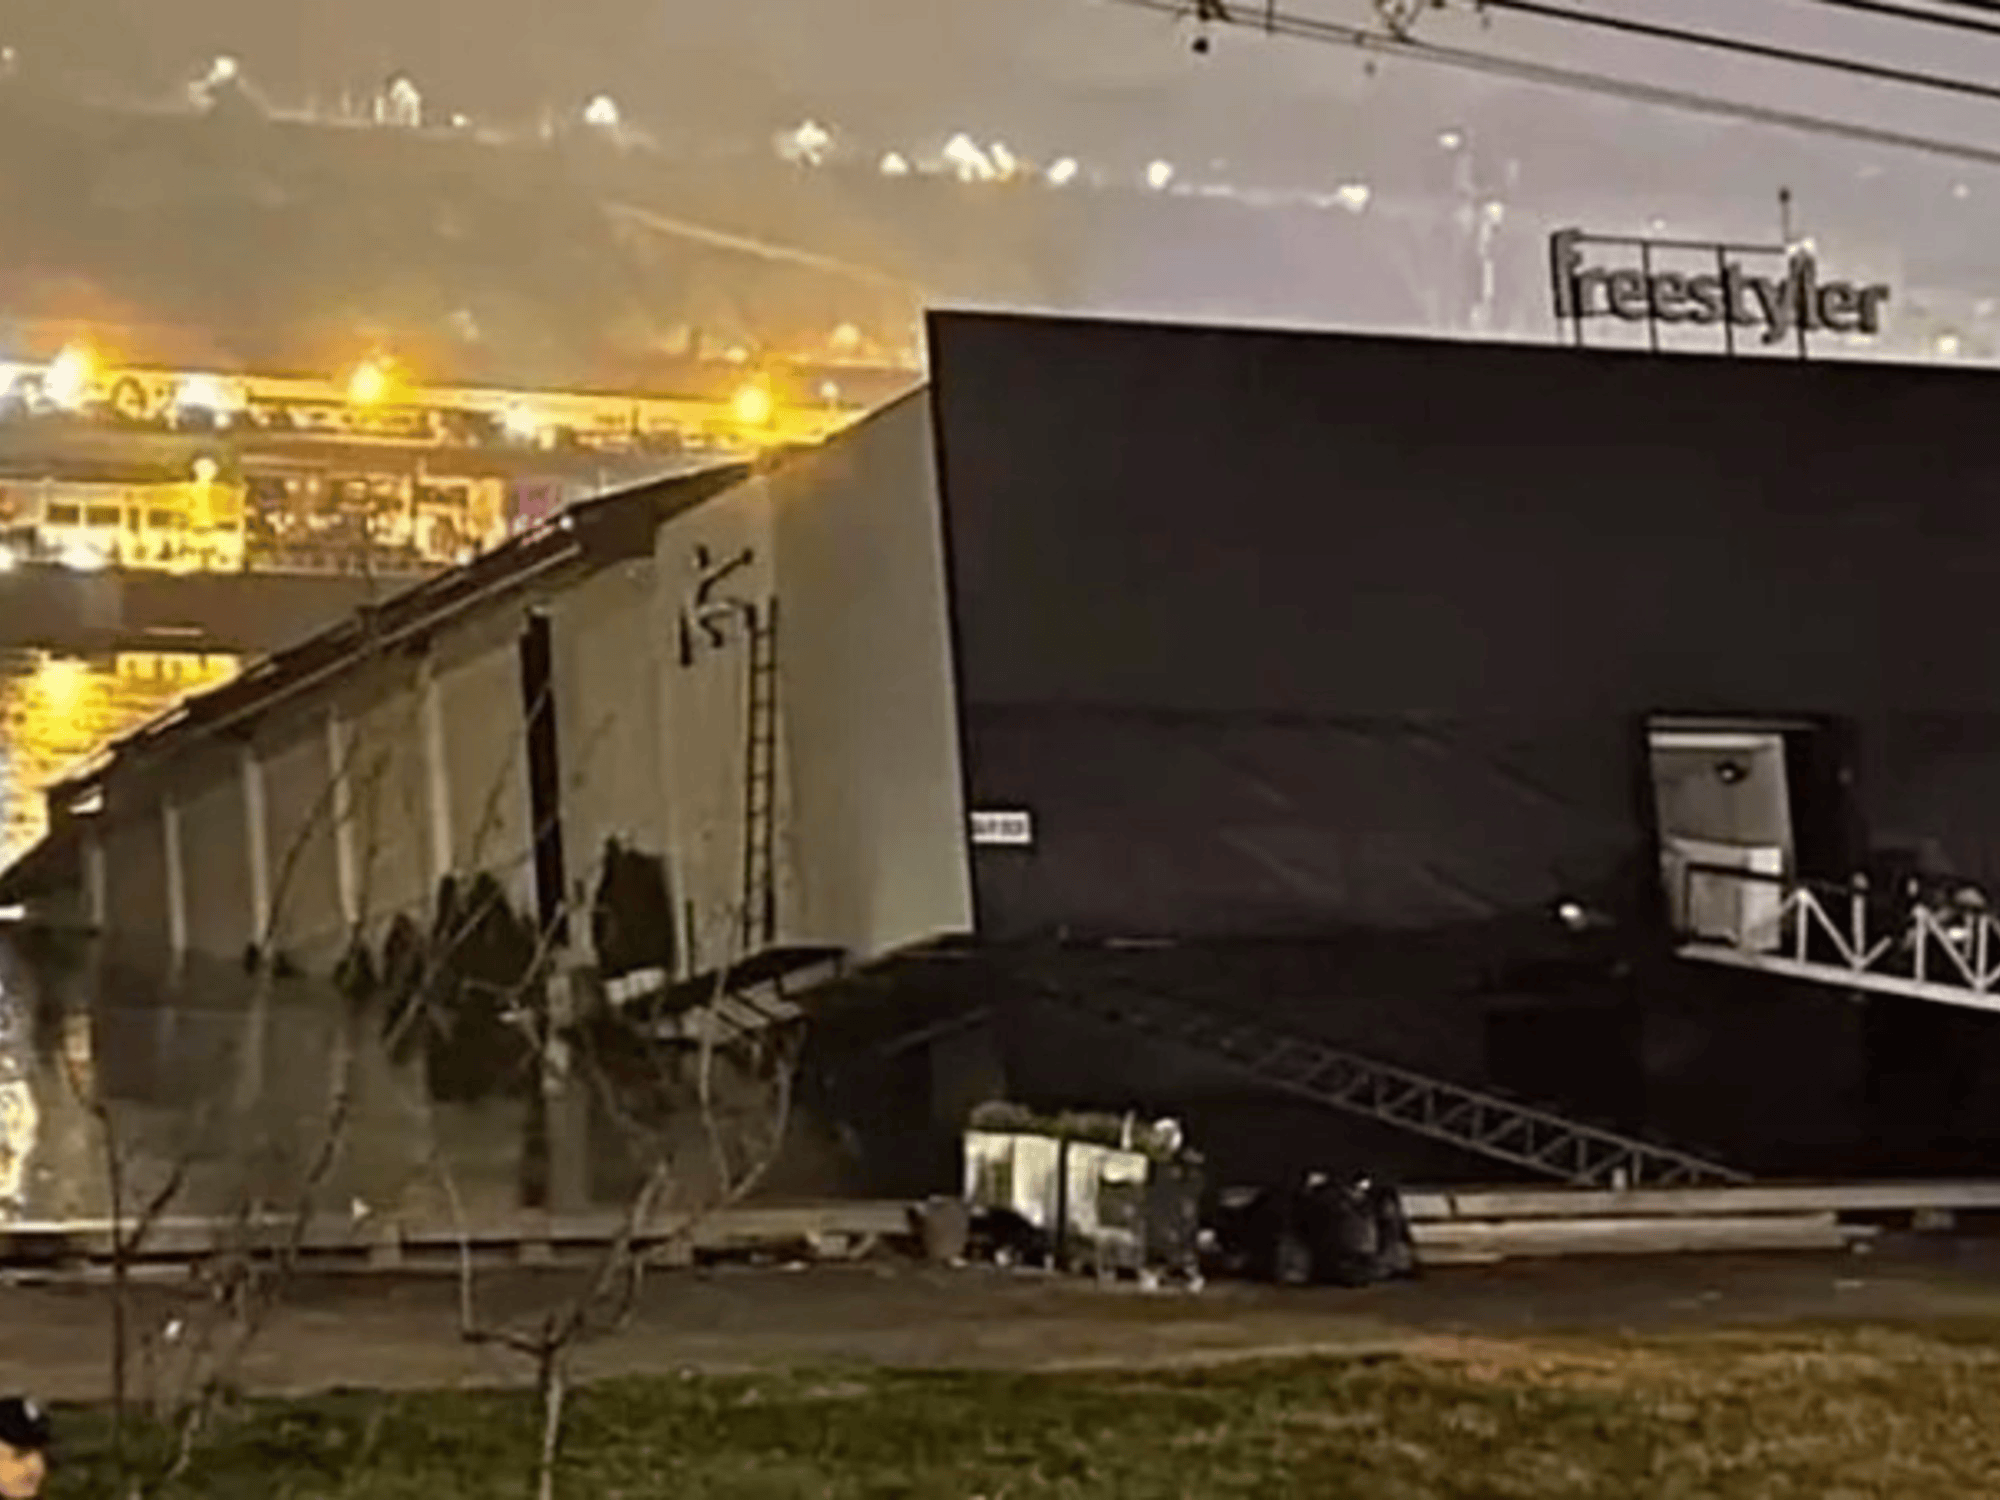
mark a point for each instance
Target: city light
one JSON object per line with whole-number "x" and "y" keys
{"x": 8, "y": 558}
{"x": 20, "y": 1125}
{"x": 62, "y": 710}
{"x": 62, "y": 682}
{"x": 1159, "y": 174}
{"x": 368, "y": 385}
{"x": 204, "y": 394}
{"x": 602, "y": 113}
{"x": 82, "y": 557}
{"x": 753, "y": 406}
{"x": 70, "y": 376}
{"x": 521, "y": 424}
{"x": 1064, "y": 172}
{"x": 808, "y": 145}
{"x": 963, "y": 155}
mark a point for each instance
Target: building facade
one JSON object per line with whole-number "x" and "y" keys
{"x": 1304, "y": 675}
{"x": 642, "y": 672}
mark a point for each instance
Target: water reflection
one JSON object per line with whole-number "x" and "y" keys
{"x": 20, "y": 1120}
{"x": 57, "y": 711}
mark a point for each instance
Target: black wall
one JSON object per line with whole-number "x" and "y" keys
{"x": 1277, "y": 633}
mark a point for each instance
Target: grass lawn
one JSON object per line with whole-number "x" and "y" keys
{"x": 1846, "y": 1414}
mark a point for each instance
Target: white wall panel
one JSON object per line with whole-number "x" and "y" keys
{"x": 135, "y": 883}
{"x": 299, "y": 810}
{"x": 215, "y": 842}
{"x": 486, "y": 757}
{"x": 385, "y": 770}
{"x": 870, "y": 715}
{"x": 609, "y": 652}
{"x": 704, "y": 720}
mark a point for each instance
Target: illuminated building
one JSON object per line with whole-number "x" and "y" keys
{"x": 188, "y": 471}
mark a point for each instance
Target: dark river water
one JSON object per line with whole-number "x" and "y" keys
{"x": 57, "y": 711}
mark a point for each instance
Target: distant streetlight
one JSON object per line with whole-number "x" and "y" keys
{"x": 70, "y": 376}
{"x": 968, "y": 161}
{"x": 403, "y": 103}
{"x": 602, "y": 113}
{"x": 368, "y": 385}
{"x": 807, "y": 145}
{"x": 753, "y": 406}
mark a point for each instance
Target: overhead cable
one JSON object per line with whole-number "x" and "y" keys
{"x": 1889, "y": 10}
{"x": 1743, "y": 47}
{"x": 1273, "y": 21}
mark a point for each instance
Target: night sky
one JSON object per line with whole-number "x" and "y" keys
{"x": 981, "y": 61}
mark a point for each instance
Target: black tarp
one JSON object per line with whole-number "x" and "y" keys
{"x": 1277, "y": 633}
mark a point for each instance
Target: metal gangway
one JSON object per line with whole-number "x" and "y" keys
{"x": 1881, "y": 938}
{"x": 1487, "y": 1124}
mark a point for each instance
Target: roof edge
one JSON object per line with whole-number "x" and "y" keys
{"x": 601, "y": 530}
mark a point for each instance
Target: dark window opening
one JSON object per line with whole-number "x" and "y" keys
{"x": 544, "y": 774}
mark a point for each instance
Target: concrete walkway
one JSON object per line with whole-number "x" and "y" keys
{"x": 402, "y": 1332}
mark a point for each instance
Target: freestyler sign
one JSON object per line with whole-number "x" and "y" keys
{"x": 1793, "y": 303}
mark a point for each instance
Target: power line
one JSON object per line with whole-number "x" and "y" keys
{"x": 1910, "y": 13}
{"x": 1274, "y": 22}
{"x": 1766, "y": 51}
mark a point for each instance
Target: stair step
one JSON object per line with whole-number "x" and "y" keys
{"x": 1480, "y": 1120}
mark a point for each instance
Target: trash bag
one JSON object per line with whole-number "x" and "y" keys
{"x": 1347, "y": 1243}
{"x": 1005, "y": 1237}
{"x": 1363, "y": 1232}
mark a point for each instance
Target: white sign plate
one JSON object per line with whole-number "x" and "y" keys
{"x": 1003, "y": 830}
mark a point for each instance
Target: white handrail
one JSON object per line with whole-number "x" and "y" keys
{"x": 1896, "y": 943}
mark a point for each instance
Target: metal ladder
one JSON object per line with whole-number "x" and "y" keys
{"x": 1492, "y": 1126}
{"x": 760, "y": 782}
